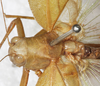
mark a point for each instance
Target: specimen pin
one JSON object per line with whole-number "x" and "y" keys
{"x": 76, "y": 28}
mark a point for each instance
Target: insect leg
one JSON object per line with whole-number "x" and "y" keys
{"x": 20, "y": 29}
{"x": 24, "y": 78}
{"x": 38, "y": 73}
{"x": 17, "y": 16}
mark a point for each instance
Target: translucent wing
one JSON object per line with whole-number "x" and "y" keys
{"x": 63, "y": 73}
{"x": 51, "y": 77}
{"x": 82, "y": 74}
{"x": 68, "y": 17}
{"x": 71, "y": 11}
{"x": 68, "y": 71}
{"x": 47, "y": 12}
{"x": 89, "y": 19}
{"x": 91, "y": 75}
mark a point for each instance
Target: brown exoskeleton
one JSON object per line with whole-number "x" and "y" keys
{"x": 62, "y": 62}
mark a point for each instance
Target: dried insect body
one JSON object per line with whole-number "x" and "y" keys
{"x": 70, "y": 62}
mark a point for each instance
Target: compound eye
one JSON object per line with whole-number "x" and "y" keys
{"x": 18, "y": 60}
{"x": 76, "y": 28}
{"x": 15, "y": 40}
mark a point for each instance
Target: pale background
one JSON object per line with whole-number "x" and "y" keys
{"x": 9, "y": 74}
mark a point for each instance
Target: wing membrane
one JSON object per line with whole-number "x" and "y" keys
{"x": 91, "y": 76}
{"x": 51, "y": 77}
{"x": 47, "y": 12}
{"x": 68, "y": 71}
{"x": 89, "y": 18}
{"x": 71, "y": 11}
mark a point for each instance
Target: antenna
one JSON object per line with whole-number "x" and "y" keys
{"x": 4, "y": 20}
{"x": 5, "y": 57}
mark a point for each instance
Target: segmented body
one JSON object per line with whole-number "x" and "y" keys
{"x": 72, "y": 54}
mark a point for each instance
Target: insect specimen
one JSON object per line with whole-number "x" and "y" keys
{"x": 65, "y": 56}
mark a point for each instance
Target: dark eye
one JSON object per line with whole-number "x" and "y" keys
{"x": 76, "y": 28}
